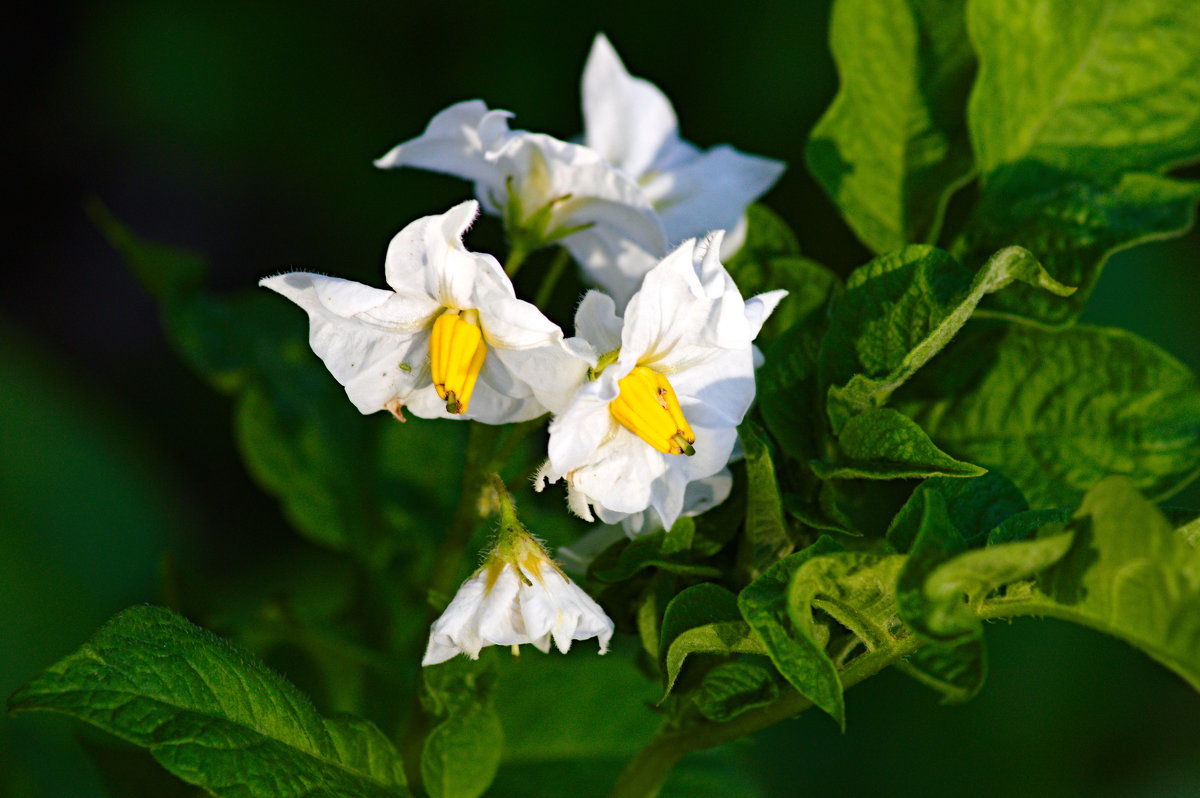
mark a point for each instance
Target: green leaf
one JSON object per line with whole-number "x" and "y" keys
{"x": 856, "y": 588}
{"x": 1058, "y": 410}
{"x": 884, "y": 444}
{"x": 767, "y": 236}
{"x": 703, "y": 619}
{"x": 462, "y": 753}
{"x": 956, "y": 671}
{"x": 798, "y": 653}
{"x": 731, "y": 688}
{"x": 893, "y": 144}
{"x": 766, "y": 533}
{"x": 1127, "y": 573}
{"x": 1097, "y": 87}
{"x": 1072, "y": 224}
{"x": 974, "y": 508}
{"x": 211, "y": 714}
{"x": 786, "y": 382}
{"x": 666, "y": 550}
{"x": 345, "y": 481}
{"x": 549, "y": 704}
{"x": 942, "y": 584}
{"x": 899, "y": 311}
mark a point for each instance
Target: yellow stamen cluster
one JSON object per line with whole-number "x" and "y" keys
{"x": 647, "y": 407}
{"x": 456, "y": 353}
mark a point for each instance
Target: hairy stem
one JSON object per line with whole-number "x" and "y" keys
{"x": 648, "y": 770}
{"x": 553, "y": 273}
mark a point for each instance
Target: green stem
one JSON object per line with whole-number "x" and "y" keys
{"x": 648, "y": 770}
{"x": 553, "y": 273}
{"x": 445, "y": 572}
{"x": 516, "y": 257}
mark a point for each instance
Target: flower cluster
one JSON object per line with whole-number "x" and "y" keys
{"x": 645, "y": 398}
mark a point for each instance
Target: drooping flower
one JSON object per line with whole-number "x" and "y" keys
{"x": 669, "y": 384}
{"x": 631, "y": 123}
{"x": 518, "y": 596}
{"x": 545, "y": 189}
{"x": 450, "y": 339}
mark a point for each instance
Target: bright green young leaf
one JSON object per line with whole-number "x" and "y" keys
{"x": 1077, "y": 110}
{"x": 1127, "y": 573}
{"x": 856, "y": 588}
{"x": 211, "y": 714}
{"x": 1097, "y": 87}
{"x": 731, "y": 688}
{"x": 899, "y": 311}
{"x": 798, "y": 653}
{"x": 893, "y": 144}
{"x": 1072, "y": 224}
{"x": 703, "y": 619}
{"x": 1190, "y": 532}
{"x": 766, "y": 533}
{"x": 1057, "y": 411}
{"x": 882, "y": 443}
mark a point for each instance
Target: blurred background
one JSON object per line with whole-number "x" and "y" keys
{"x": 245, "y": 131}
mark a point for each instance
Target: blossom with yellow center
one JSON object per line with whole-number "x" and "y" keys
{"x": 657, "y": 414}
{"x": 450, "y": 339}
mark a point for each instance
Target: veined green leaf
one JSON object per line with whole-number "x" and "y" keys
{"x": 1058, "y": 410}
{"x": 882, "y": 443}
{"x": 731, "y": 688}
{"x": 766, "y": 530}
{"x": 1127, "y": 573}
{"x": 703, "y": 619}
{"x": 1097, "y": 87}
{"x": 1072, "y": 224}
{"x": 798, "y": 653}
{"x": 900, "y": 310}
{"x": 211, "y": 714}
{"x": 856, "y": 588}
{"x": 974, "y": 508}
{"x": 893, "y": 144}
{"x": 1077, "y": 108}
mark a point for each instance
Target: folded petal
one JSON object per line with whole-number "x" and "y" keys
{"x": 453, "y": 143}
{"x": 627, "y": 120}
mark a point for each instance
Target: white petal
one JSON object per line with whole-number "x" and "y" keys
{"x": 546, "y": 169}
{"x": 759, "y": 307}
{"x": 596, "y": 321}
{"x": 616, "y": 264}
{"x": 626, "y": 119}
{"x": 709, "y": 190}
{"x": 365, "y": 336}
{"x": 453, "y": 144}
{"x": 454, "y": 631}
{"x": 553, "y": 373}
{"x": 620, "y": 473}
{"x": 577, "y": 432}
{"x": 500, "y": 614}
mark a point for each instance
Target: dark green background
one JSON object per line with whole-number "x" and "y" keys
{"x": 246, "y": 131}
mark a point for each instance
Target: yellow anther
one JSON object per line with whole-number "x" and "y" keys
{"x": 648, "y": 408}
{"x": 456, "y": 354}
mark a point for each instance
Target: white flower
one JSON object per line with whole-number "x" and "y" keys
{"x": 672, "y": 380}
{"x": 449, "y": 340}
{"x": 631, "y": 123}
{"x": 562, "y": 190}
{"x": 518, "y": 596}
